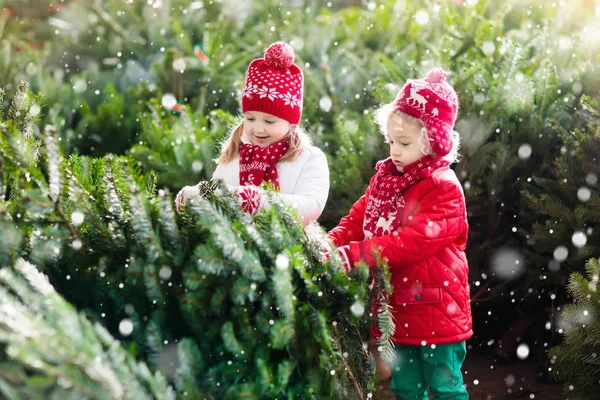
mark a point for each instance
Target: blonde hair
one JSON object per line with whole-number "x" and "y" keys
{"x": 230, "y": 147}
{"x": 383, "y": 114}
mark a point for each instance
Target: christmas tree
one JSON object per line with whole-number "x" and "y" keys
{"x": 568, "y": 200}
{"x": 52, "y": 352}
{"x": 224, "y": 303}
{"x": 576, "y": 361}
{"x": 563, "y": 206}
{"x": 180, "y": 148}
{"x": 520, "y": 70}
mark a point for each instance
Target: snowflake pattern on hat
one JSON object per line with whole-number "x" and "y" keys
{"x": 272, "y": 93}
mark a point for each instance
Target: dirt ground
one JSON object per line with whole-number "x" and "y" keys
{"x": 488, "y": 379}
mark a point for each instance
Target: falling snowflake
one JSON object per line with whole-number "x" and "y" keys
{"x": 357, "y": 309}
{"x": 507, "y": 263}
{"x": 325, "y": 103}
{"x": 165, "y": 273}
{"x": 282, "y": 262}
{"x": 77, "y": 218}
{"x": 168, "y": 101}
{"x": 126, "y": 327}
{"x": 525, "y": 151}
{"x": 523, "y": 351}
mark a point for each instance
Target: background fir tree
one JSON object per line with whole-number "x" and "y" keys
{"x": 134, "y": 46}
{"x": 518, "y": 101}
{"x": 569, "y": 200}
{"x": 180, "y": 148}
{"x": 576, "y": 362}
{"x": 564, "y": 207}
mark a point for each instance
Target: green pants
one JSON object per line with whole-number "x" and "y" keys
{"x": 418, "y": 368}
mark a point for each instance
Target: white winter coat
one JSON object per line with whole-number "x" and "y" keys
{"x": 304, "y": 182}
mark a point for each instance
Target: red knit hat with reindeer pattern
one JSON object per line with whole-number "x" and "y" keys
{"x": 433, "y": 101}
{"x": 274, "y": 84}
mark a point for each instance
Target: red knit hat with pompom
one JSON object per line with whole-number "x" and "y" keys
{"x": 274, "y": 84}
{"x": 435, "y": 103}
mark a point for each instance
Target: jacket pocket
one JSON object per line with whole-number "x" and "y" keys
{"x": 418, "y": 295}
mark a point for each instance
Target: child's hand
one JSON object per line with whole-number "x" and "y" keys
{"x": 248, "y": 198}
{"x": 186, "y": 194}
{"x": 344, "y": 253}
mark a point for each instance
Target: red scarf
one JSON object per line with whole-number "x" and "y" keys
{"x": 385, "y": 208}
{"x": 257, "y": 164}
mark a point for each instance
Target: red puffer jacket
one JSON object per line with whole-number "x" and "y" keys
{"x": 426, "y": 258}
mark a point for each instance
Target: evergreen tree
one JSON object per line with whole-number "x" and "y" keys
{"x": 564, "y": 207}
{"x": 181, "y": 149}
{"x": 360, "y": 147}
{"x": 226, "y": 304}
{"x": 577, "y": 360}
{"x": 52, "y": 352}
{"x": 518, "y": 69}
{"x": 568, "y": 200}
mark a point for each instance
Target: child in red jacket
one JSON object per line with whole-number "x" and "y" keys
{"x": 413, "y": 214}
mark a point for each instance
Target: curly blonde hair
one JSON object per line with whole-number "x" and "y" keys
{"x": 382, "y": 115}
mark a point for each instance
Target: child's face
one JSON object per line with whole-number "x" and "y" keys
{"x": 264, "y": 129}
{"x": 403, "y": 138}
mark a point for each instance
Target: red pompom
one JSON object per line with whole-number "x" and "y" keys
{"x": 436, "y": 75}
{"x": 279, "y": 55}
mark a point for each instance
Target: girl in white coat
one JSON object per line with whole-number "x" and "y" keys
{"x": 268, "y": 145}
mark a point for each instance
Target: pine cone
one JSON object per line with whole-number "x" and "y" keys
{"x": 207, "y": 188}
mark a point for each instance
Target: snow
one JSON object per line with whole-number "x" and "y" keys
{"x": 584, "y": 194}
{"x": 325, "y": 103}
{"x": 523, "y": 351}
{"x": 525, "y": 151}
{"x": 168, "y": 101}
{"x": 422, "y": 17}
{"x": 561, "y": 253}
{"x": 126, "y": 327}
{"x": 579, "y": 239}
{"x": 77, "y": 218}
{"x": 507, "y": 263}
{"x": 357, "y": 309}
{"x": 282, "y": 262}
{"x": 165, "y": 273}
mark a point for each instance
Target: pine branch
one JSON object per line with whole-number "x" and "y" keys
{"x": 112, "y": 198}
{"x": 230, "y": 341}
{"x": 227, "y": 241}
{"x": 265, "y": 375}
{"x": 387, "y": 328}
{"x": 350, "y": 374}
{"x": 140, "y": 221}
{"x": 243, "y": 291}
{"x": 211, "y": 262}
{"x": 282, "y": 285}
{"x": 191, "y": 365}
{"x": 53, "y": 157}
{"x": 82, "y": 360}
{"x": 576, "y": 360}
